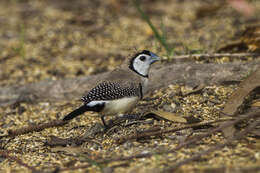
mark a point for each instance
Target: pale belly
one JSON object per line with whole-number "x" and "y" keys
{"x": 119, "y": 106}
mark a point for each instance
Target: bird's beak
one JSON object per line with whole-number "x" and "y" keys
{"x": 154, "y": 58}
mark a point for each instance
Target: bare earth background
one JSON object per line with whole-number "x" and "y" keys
{"x": 57, "y": 39}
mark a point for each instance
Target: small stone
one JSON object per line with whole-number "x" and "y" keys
{"x": 167, "y": 108}
{"x": 21, "y": 109}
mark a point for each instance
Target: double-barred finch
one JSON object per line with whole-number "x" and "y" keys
{"x": 120, "y": 90}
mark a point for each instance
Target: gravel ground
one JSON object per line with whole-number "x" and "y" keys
{"x": 56, "y": 39}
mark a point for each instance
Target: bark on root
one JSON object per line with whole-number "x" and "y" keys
{"x": 161, "y": 76}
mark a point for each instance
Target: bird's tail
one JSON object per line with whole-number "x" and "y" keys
{"x": 76, "y": 112}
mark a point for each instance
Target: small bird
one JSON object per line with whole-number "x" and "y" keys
{"x": 120, "y": 90}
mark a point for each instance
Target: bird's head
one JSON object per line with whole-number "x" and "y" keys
{"x": 141, "y": 62}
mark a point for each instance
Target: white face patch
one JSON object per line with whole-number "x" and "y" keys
{"x": 142, "y": 63}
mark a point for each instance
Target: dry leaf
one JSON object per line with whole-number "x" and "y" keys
{"x": 195, "y": 90}
{"x": 256, "y": 104}
{"x": 238, "y": 97}
{"x": 169, "y": 116}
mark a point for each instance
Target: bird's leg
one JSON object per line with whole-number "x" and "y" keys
{"x": 103, "y": 121}
{"x": 122, "y": 117}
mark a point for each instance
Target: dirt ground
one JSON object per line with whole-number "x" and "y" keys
{"x": 57, "y": 39}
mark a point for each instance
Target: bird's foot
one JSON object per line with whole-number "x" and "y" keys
{"x": 107, "y": 125}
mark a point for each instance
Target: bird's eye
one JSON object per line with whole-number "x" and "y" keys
{"x": 142, "y": 58}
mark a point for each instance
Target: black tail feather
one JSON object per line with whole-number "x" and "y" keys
{"x": 76, "y": 112}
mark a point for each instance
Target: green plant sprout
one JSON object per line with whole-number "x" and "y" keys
{"x": 158, "y": 36}
{"x": 20, "y": 50}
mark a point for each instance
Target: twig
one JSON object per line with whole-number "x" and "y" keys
{"x": 17, "y": 160}
{"x": 34, "y": 128}
{"x": 56, "y": 141}
{"x": 247, "y": 116}
{"x": 239, "y": 135}
{"x": 160, "y": 132}
{"x": 184, "y": 58}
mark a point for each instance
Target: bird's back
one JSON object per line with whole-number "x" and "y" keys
{"x": 117, "y": 84}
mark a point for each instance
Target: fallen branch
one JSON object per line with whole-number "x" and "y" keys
{"x": 34, "y": 128}
{"x": 68, "y": 89}
{"x": 188, "y": 58}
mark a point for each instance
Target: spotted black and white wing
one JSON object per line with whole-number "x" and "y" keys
{"x": 96, "y": 98}
{"x": 106, "y": 91}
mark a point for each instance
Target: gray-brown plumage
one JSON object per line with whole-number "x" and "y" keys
{"x": 120, "y": 90}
